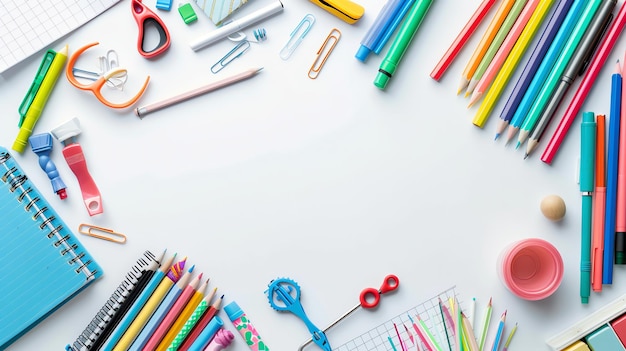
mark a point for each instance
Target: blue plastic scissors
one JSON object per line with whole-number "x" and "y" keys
{"x": 284, "y": 295}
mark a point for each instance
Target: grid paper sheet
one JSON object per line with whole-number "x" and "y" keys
{"x": 385, "y": 338}
{"x": 27, "y": 26}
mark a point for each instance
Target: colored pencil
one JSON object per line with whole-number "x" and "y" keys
{"x": 469, "y": 332}
{"x": 549, "y": 86}
{"x": 620, "y": 207}
{"x": 599, "y": 198}
{"x": 483, "y": 45}
{"x": 172, "y": 314}
{"x": 496, "y": 44}
{"x": 168, "y": 342}
{"x": 486, "y": 320}
{"x": 498, "y": 338}
{"x": 157, "y": 317}
{"x": 462, "y": 38}
{"x": 508, "y": 340}
{"x": 505, "y": 49}
{"x": 557, "y": 21}
{"x": 511, "y": 62}
{"x": 201, "y": 324}
{"x": 148, "y": 309}
{"x": 575, "y": 68}
{"x": 585, "y": 86}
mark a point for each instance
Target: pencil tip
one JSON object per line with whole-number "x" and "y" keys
{"x": 497, "y": 136}
{"x": 517, "y": 145}
{"x": 525, "y": 155}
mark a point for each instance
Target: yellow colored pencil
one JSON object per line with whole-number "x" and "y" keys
{"x": 511, "y": 62}
{"x": 485, "y": 41}
{"x": 184, "y": 315}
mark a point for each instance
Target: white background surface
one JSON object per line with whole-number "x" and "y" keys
{"x": 331, "y": 182}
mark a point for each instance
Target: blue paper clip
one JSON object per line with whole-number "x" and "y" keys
{"x": 295, "y": 40}
{"x": 236, "y": 52}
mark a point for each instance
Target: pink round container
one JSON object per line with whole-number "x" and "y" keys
{"x": 531, "y": 269}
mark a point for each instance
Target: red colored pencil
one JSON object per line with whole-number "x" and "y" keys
{"x": 585, "y": 86}
{"x": 172, "y": 314}
{"x": 462, "y": 38}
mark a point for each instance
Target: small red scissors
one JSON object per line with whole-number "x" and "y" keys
{"x": 369, "y": 298}
{"x": 147, "y": 19}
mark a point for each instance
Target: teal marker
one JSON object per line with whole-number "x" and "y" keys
{"x": 401, "y": 42}
{"x": 587, "y": 184}
{"x": 557, "y": 70}
{"x": 44, "y": 66}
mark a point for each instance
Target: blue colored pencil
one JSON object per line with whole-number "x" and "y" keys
{"x": 611, "y": 177}
{"x": 154, "y": 321}
{"x": 547, "y": 63}
{"x": 532, "y": 65}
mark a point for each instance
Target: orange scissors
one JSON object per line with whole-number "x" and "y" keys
{"x": 97, "y": 85}
{"x": 146, "y": 19}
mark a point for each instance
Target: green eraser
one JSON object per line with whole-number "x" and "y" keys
{"x": 187, "y": 13}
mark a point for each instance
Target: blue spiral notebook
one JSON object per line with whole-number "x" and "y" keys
{"x": 50, "y": 264}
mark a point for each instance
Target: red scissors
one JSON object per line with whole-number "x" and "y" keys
{"x": 369, "y": 298}
{"x": 146, "y": 19}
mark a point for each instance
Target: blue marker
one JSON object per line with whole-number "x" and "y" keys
{"x": 611, "y": 178}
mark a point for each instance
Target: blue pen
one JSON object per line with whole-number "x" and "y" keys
{"x": 546, "y": 65}
{"x": 532, "y": 65}
{"x": 159, "y": 314}
{"x": 391, "y": 28}
{"x": 207, "y": 334}
{"x": 378, "y": 28}
{"x": 611, "y": 177}
{"x": 137, "y": 305}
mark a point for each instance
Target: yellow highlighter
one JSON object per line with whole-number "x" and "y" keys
{"x": 39, "y": 100}
{"x": 345, "y": 9}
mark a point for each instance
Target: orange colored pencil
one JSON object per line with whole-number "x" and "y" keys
{"x": 485, "y": 41}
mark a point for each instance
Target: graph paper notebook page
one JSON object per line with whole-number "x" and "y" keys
{"x": 27, "y": 26}
{"x": 53, "y": 266}
{"x": 399, "y": 333}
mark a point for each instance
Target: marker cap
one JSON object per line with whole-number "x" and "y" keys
{"x": 362, "y": 53}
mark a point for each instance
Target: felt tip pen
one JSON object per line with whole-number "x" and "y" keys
{"x": 237, "y": 25}
{"x": 245, "y": 328}
{"x": 587, "y": 169}
{"x": 379, "y": 27}
{"x": 612, "y": 159}
{"x": 39, "y": 100}
{"x": 401, "y": 42}
{"x": 44, "y": 66}
{"x": 599, "y": 199}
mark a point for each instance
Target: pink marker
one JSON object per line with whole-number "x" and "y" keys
{"x": 221, "y": 340}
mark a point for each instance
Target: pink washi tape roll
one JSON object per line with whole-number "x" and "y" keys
{"x": 531, "y": 268}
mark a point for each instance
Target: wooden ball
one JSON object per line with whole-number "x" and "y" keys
{"x": 553, "y": 207}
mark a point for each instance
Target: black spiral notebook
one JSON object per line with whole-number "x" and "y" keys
{"x": 45, "y": 264}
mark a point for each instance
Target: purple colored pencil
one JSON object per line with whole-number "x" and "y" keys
{"x": 533, "y": 63}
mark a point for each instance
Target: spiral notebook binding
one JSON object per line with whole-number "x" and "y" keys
{"x": 17, "y": 182}
{"x": 86, "y": 339}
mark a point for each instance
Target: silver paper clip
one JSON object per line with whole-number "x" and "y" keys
{"x": 106, "y": 63}
{"x": 295, "y": 40}
{"x": 327, "y": 46}
{"x": 236, "y": 52}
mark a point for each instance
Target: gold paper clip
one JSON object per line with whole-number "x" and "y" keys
{"x": 93, "y": 231}
{"x": 332, "y": 38}
{"x": 237, "y": 51}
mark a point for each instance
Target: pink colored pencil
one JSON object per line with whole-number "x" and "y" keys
{"x": 172, "y": 314}
{"x": 585, "y": 85}
{"x": 503, "y": 52}
{"x": 461, "y": 39}
{"x": 422, "y": 337}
